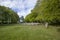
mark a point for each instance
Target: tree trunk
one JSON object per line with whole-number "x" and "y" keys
{"x": 46, "y": 24}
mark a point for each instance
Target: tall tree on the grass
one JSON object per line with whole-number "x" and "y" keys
{"x": 8, "y": 16}
{"x": 48, "y": 11}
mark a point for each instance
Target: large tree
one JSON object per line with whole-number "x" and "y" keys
{"x": 7, "y": 15}
{"x": 46, "y": 11}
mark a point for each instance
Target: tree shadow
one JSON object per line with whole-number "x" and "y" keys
{"x": 58, "y": 29}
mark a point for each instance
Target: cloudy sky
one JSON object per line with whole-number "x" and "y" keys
{"x": 22, "y": 7}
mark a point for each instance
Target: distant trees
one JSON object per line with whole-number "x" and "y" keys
{"x": 45, "y": 11}
{"x": 8, "y": 16}
{"x": 22, "y": 19}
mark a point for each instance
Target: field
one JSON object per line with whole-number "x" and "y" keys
{"x": 29, "y": 32}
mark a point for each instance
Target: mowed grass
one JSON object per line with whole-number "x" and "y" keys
{"x": 29, "y": 32}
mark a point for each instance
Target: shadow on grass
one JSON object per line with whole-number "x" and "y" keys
{"x": 58, "y": 29}
{"x": 3, "y": 25}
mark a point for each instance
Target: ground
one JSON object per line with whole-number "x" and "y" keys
{"x": 29, "y": 32}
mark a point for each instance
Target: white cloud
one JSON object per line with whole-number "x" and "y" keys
{"x": 23, "y": 7}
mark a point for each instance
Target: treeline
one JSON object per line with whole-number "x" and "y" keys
{"x": 45, "y": 11}
{"x": 8, "y": 16}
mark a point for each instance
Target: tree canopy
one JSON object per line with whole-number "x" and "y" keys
{"x": 7, "y": 15}
{"x": 45, "y": 11}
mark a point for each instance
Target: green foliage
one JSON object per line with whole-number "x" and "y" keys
{"x": 47, "y": 11}
{"x": 31, "y": 17}
{"x": 7, "y": 15}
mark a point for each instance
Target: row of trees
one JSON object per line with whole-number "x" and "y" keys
{"x": 45, "y": 11}
{"x": 8, "y": 16}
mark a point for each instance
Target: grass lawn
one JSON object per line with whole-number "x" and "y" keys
{"x": 29, "y": 32}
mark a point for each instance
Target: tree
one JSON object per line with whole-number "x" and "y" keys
{"x": 31, "y": 17}
{"x": 7, "y": 15}
{"x": 48, "y": 11}
{"x": 22, "y": 19}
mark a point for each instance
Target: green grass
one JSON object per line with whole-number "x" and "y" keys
{"x": 29, "y": 32}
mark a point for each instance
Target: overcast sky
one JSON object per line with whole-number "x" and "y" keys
{"x": 22, "y": 7}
